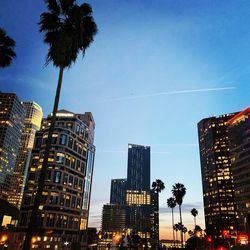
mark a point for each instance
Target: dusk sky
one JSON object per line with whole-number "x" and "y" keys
{"x": 154, "y": 70}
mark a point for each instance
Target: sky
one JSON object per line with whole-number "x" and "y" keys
{"x": 154, "y": 70}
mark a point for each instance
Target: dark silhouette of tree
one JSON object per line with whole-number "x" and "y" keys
{"x": 179, "y": 192}
{"x": 157, "y": 187}
{"x": 171, "y": 202}
{"x": 68, "y": 29}
{"x": 7, "y": 53}
{"x": 184, "y": 230}
{"x": 194, "y": 212}
{"x": 176, "y": 228}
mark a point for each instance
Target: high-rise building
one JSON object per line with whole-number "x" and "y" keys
{"x": 138, "y": 177}
{"x": 64, "y": 208}
{"x": 239, "y": 135}
{"x": 133, "y": 195}
{"x": 118, "y": 191}
{"x": 12, "y": 115}
{"x": 113, "y": 218}
{"x": 217, "y": 181}
{"x": 33, "y": 117}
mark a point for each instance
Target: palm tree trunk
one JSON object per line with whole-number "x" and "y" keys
{"x": 194, "y": 221}
{"x": 157, "y": 221}
{"x": 173, "y": 225}
{"x": 181, "y": 224}
{"x": 32, "y": 227}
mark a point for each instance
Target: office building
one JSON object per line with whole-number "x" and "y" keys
{"x": 33, "y": 117}
{"x": 118, "y": 191}
{"x": 239, "y": 135}
{"x": 134, "y": 197}
{"x": 113, "y": 218}
{"x": 12, "y": 114}
{"x": 138, "y": 177}
{"x": 217, "y": 181}
{"x": 64, "y": 208}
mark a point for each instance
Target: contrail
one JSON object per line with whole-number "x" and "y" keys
{"x": 187, "y": 91}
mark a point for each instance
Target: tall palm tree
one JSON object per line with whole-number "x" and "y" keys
{"x": 194, "y": 212}
{"x": 157, "y": 187}
{"x": 171, "y": 202}
{"x": 7, "y": 52}
{"x": 179, "y": 192}
{"x": 68, "y": 29}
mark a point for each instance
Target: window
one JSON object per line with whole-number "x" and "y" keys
{"x": 63, "y": 139}
{"x": 70, "y": 180}
{"x": 60, "y": 157}
{"x": 75, "y": 183}
{"x": 50, "y": 220}
{"x": 62, "y": 199}
{"x": 65, "y": 179}
{"x": 73, "y": 163}
{"x": 67, "y": 202}
{"x": 38, "y": 142}
{"x": 70, "y": 143}
{"x": 59, "y": 220}
{"x": 57, "y": 177}
{"x": 54, "y": 139}
{"x": 73, "y": 203}
{"x": 77, "y": 129}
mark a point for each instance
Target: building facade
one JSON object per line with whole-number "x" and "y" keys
{"x": 239, "y": 135}
{"x": 216, "y": 170}
{"x": 113, "y": 218}
{"x": 64, "y": 208}
{"x": 12, "y": 114}
{"x": 138, "y": 177}
{"x": 32, "y": 123}
{"x": 133, "y": 195}
{"x": 118, "y": 191}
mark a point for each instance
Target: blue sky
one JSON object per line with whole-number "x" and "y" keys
{"x": 154, "y": 70}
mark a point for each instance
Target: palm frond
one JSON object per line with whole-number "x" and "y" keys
{"x": 53, "y": 6}
{"x": 7, "y": 45}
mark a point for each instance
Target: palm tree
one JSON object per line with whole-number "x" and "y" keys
{"x": 7, "y": 53}
{"x": 176, "y": 228}
{"x": 194, "y": 212}
{"x": 171, "y": 202}
{"x": 69, "y": 29}
{"x": 179, "y": 192}
{"x": 157, "y": 187}
{"x": 184, "y": 230}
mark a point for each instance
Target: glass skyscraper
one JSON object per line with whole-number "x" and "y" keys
{"x": 33, "y": 118}
{"x": 239, "y": 135}
{"x": 138, "y": 177}
{"x": 12, "y": 114}
{"x": 216, "y": 170}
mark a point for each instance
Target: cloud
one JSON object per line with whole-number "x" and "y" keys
{"x": 185, "y": 208}
{"x": 175, "y": 92}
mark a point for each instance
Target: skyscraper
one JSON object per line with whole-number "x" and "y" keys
{"x": 217, "y": 181}
{"x": 33, "y": 117}
{"x": 133, "y": 195}
{"x": 118, "y": 191}
{"x": 239, "y": 135}
{"x": 64, "y": 208}
{"x": 138, "y": 177}
{"x": 12, "y": 115}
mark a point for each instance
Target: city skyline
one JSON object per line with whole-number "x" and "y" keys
{"x": 161, "y": 67}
